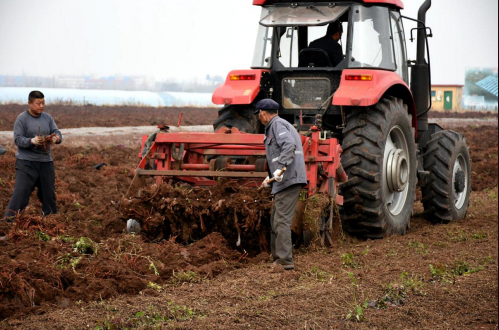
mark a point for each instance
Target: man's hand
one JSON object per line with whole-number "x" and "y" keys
{"x": 55, "y": 139}
{"x": 37, "y": 141}
{"x": 266, "y": 183}
{"x": 279, "y": 175}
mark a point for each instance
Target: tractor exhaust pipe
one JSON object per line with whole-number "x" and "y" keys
{"x": 421, "y": 32}
{"x": 420, "y": 77}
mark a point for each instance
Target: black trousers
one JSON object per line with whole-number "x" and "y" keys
{"x": 31, "y": 175}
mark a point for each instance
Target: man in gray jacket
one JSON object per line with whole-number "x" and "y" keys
{"x": 284, "y": 149}
{"x": 34, "y": 165}
{"x": 2, "y": 150}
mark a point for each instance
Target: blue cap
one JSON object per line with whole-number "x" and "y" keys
{"x": 267, "y": 104}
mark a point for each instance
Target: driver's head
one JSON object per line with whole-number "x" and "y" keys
{"x": 335, "y": 30}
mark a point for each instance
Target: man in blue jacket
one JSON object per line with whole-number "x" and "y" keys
{"x": 34, "y": 165}
{"x": 2, "y": 150}
{"x": 284, "y": 149}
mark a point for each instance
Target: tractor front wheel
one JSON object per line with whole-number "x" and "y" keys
{"x": 380, "y": 160}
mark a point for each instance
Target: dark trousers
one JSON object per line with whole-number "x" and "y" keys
{"x": 281, "y": 220}
{"x": 31, "y": 175}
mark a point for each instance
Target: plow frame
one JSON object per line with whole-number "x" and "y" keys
{"x": 194, "y": 158}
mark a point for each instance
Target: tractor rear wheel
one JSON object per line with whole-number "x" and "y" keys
{"x": 380, "y": 160}
{"x": 239, "y": 116}
{"x": 446, "y": 198}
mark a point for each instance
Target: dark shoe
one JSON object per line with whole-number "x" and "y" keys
{"x": 275, "y": 264}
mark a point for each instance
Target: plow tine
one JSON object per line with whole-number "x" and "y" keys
{"x": 138, "y": 182}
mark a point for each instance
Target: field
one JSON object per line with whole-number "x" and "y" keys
{"x": 78, "y": 269}
{"x": 118, "y": 116}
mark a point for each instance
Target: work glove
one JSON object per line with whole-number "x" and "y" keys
{"x": 266, "y": 183}
{"x": 37, "y": 141}
{"x": 278, "y": 176}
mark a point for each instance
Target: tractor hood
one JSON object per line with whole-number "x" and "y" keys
{"x": 303, "y": 15}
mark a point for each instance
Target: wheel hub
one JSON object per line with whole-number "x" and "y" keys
{"x": 460, "y": 181}
{"x": 397, "y": 171}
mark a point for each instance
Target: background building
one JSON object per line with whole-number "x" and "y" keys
{"x": 447, "y": 97}
{"x": 481, "y": 89}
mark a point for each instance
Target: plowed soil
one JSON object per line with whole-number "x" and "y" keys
{"x": 122, "y": 116}
{"x": 78, "y": 269}
{"x": 116, "y": 116}
{"x": 463, "y": 115}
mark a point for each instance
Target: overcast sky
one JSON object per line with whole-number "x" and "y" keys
{"x": 192, "y": 38}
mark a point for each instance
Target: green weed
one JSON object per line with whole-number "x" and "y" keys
{"x": 42, "y": 236}
{"x": 64, "y": 261}
{"x": 413, "y": 283}
{"x": 272, "y": 294}
{"x": 86, "y": 246}
{"x": 461, "y": 267}
{"x": 391, "y": 252}
{"x": 150, "y": 318}
{"x": 440, "y": 273}
{"x": 66, "y": 239}
{"x": 395, "y": 295}
{"x": 350, "y": 260}
{"x": 152, "y": 266}
{"x": 457, "y": 236}
{"x": 356, "y": 308}
{"x": 440, "y": 244}
{"x": 479, "y": 236}
{"x": 185, "y": 277}
{"x": 155, "y": 286}
{"x": 418, "y": 247}
{"x": 357, "y": 313}
{"x": 74, "y": 263}
{"x": 317, "y": 274}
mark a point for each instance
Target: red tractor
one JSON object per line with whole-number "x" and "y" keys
{"x": 368, "y": 101}
{"x": 367, "y": 108}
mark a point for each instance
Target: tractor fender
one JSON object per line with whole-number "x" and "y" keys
{"x": 364, "y": 93}
{"x": 239, "y": 91}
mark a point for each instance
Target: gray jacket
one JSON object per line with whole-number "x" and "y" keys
{"x": 27, "y": 127}
{"x": 284, "y": 148}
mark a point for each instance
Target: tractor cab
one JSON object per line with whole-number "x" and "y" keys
{"x": 304, "y": 79}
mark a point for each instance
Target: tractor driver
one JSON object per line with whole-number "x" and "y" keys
{"x": 330, "y": 43}
{"x": 284, "y": 150}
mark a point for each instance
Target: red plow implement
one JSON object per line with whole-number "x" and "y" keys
{"x": 203, "y": 159}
